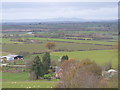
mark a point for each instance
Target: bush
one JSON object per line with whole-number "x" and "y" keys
{"x": 64, "y": 58}
{"x": 49, "y": 76}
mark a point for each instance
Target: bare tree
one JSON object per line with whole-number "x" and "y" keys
{"x": 80, "y": 74}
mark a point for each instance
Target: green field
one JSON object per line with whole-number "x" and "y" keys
{"x": 7, "y": 40}
{"x": 99, "y": 56}
{"x": 6, "y": 76}
{"x": 21, "y": 80}
{"x": 39, "y": 47}
{"x": 79, "y": 41}
{"x": 30, "y": 84}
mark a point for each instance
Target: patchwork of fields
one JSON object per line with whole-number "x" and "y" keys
{"x": 67, "y": 39}
{"x": 78, "y": 41}
{"x": 61, "y": 45}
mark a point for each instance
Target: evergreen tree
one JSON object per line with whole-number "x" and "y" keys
{"x": 64, "y": 58}
{"x": 37, "y": 67}
{"x": 67, "y": 57}
{"x": 46, "y": 62}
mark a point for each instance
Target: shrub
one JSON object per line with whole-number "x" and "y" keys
{"x": 64, "y": 58}
{"x": 49, "y": 76}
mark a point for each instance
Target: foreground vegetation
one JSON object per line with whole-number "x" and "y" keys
{"x": 85, "y": 74}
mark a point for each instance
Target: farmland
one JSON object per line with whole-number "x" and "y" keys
{"x": 77, "y": 41}
{"x": 59, "y": 46}
{"x": 99, "y": 56}
{"x": 21, "y": 80}
{"x": 95, "y": 41}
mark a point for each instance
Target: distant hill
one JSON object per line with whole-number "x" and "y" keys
{"x": 57, "y": 20}
{"x": 55, "y": 26}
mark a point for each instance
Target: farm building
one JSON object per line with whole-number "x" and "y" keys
{"x": 110, "y": 73}
{"x": 11, "y": 57}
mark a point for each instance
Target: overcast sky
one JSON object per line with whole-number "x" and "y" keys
{"x": 44, "y": 10}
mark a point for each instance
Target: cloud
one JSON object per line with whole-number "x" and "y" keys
{"x": 56, "y": 10}
{"x": 60, "y": 0}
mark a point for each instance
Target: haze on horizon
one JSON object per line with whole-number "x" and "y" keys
{"x": 50, "y": 10}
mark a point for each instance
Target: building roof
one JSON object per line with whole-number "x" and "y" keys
{"x": 9, "y": 56}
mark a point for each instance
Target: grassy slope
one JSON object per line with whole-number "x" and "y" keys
{"x": 99, "y": 56}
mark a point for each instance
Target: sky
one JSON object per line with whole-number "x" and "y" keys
{"x": 60, "y": 0}
{"x": 47, "y": 10}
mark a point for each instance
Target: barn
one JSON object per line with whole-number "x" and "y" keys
{"x": 11, "y": 57}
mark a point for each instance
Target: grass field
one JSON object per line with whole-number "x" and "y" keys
{"x": 6, "y": 76}
{"x": 79, "y": 41}
{"x": 21, "y": 80}
{"x": 7, "y": 40}
{"x": 59, "y": 46}
{"x": 99, "y": 56}
{"x": 30, "y": 84}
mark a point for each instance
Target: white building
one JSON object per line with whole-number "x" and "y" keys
{"x": 8, "y": 57}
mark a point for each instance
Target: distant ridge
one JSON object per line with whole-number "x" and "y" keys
{"x": 57, "y": 20}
